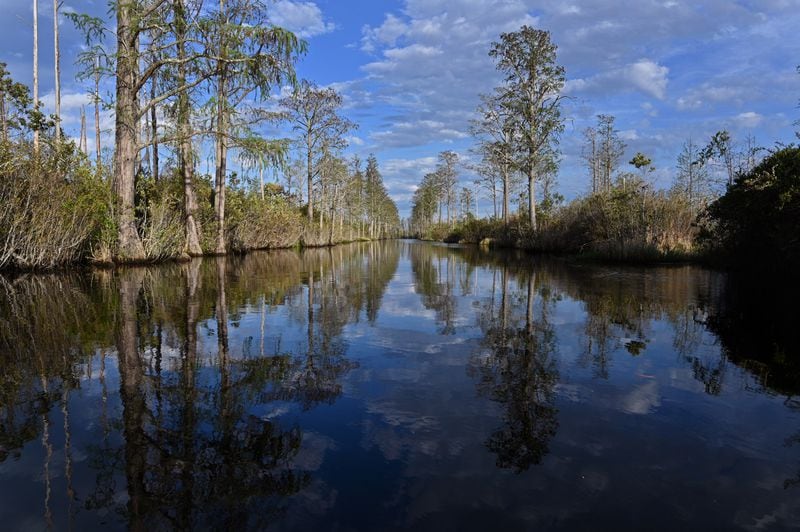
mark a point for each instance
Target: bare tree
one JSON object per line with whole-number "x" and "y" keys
{"x": 497, "y": 129}
{"x": 611, "y": 149}
{"x": 314, "y": 113}
{"x": 447, "y": 175}
{"x": 96, "y": 98}
{"x": 57, "y": 68}
{"x": 692, "y": 177}
{"x": 36, "y": 72}
{"x": 591, "y": 154}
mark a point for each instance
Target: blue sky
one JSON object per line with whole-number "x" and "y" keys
{"x": 411, "y": 71}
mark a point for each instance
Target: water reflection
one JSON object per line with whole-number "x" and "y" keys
{"x": 520, "y": 372}
{"x": 394, "y": 385}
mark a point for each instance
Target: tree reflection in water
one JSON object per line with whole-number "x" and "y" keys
{"x": 173, "y": 397}
{"x": 518, "y": 369}
{"x": 191, "y": 441}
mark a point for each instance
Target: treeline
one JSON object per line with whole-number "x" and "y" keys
{"x": 191, "y": 81}
{"x": 722, "y": 189}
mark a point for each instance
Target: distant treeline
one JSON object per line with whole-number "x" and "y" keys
{"x": 730, "y": 202}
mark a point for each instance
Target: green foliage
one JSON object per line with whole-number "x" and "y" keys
{"x": 757, "y": 221}
{"x": 262, "y": 224}
{"x": 630, "y": 222}
{"x": 54, "y": 209}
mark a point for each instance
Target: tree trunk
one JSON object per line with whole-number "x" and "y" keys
{"x": 154, "y": 130}
{"x": 505, "y": 194}
{"x": 309, "y": 177}
{"x": 57, "y": 66}
{"x": 97, "y": 112}
{"x": 125, "y": 150}
{"x": 36, "y": 72}
{"x": 192, "y": 245}
{"x": 221, "y": 142}
{"x": 82, "y": 142}
{"x": 222, "y": 156}
{"x": 532, "y": 198}
{"x": 3, "y": 118}
{"x": 494, "y": 199}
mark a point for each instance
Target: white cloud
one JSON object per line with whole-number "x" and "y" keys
{"x": 649, "y": 77}
{"x": 69, "y": 101}
{"x": 749, "y": 119}
{"x": 385, "y": 34}
{"x": 303, "y": 18}
{"x": 645, "y": 76}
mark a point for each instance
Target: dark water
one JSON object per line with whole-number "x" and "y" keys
{"x": 397, "y": 385}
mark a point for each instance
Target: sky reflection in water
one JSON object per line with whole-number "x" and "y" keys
{"x": 394, "y": 385}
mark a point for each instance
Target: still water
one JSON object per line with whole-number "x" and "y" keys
{"x": 396, "y": 385}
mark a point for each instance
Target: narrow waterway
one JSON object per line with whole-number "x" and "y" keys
{"x": 392, "y": 385}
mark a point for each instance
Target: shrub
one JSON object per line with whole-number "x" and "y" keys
{"x": 266, "y": 224}
{"x": 757, "y": 221}
{"x": 54, "y": 207}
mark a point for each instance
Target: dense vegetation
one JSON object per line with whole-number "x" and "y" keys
{"x": 189, "y": 81}
{"x": 204, "y": 81}
{"x": 725, "y": 203}
{"x": 758, "y": 218}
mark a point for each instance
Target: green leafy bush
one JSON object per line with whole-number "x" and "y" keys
{"x": 757, "y": 221}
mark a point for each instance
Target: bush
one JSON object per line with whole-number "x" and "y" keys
{"x": 757, "y": 221}
{"x": 627, "y": 223}
{"x": 159, "y": 206}
{"x": 630, "y": 222}
{"x": 265, "y": 224}
{"x": 54, "y": 208}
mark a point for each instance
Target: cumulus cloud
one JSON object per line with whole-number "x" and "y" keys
{"x": 644, "y": 75}
{"x": 303, "y": 18}
{"x": 649, "y": 77}
{"x": 385, "y": 34}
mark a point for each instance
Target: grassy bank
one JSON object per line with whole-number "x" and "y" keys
{"x": 59, "y": 211}
{"x": 754, "y": 224}
{"x": 628, "y": 223}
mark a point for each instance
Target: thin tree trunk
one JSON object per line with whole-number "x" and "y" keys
{"x": 82, "y": 142}
{"x": 309, "y": 177}
{"x": 36, "y": 72}
{"x": 3, "y": 118}
{"x": 505, "y": 194}
{"x": 57, "y": 66}
{"x": 494, "y": 199}
{"x": 97, "y": 112}
{"x": 222, "y": 156}
{"x": 532, "y": 198}
{"x": 154, "y": 130}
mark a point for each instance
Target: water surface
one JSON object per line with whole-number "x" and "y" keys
{"x": 397, "y": 385}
